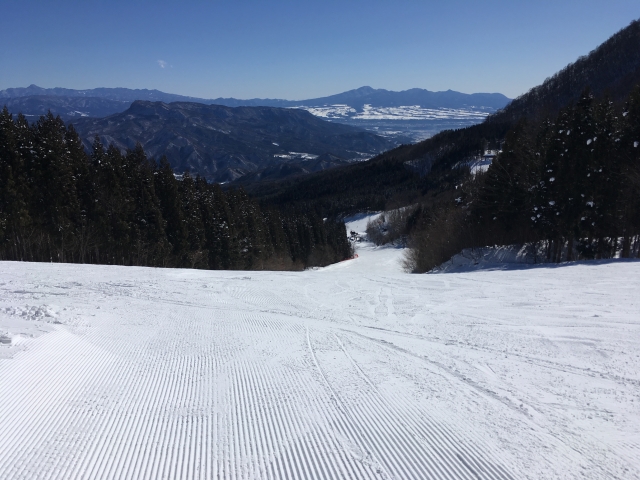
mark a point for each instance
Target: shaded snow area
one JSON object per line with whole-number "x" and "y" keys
{"x": 354, "y": 371}
{"x": 479, "y": 166}
{"x": 506, "y": 257}
{"x": 498, "y": 257}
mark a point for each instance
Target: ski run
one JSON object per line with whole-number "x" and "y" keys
{"x": 354, "y": 371}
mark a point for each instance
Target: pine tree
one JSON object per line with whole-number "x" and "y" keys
{"x": 167, "y": 189}
{"x": 113, "y": 207}
{"x": 504, "y": 196}
{"x": 605, "y": 181}
{"x": 220, "y": 233}
{"x": 54, "y": 197}
{"x": 196, "y": 238}
{"x": 552, "y": 183}
{"x": 629, "y": 149}
{"x": 14, "y": 192}
{"x": 149, "y": 240}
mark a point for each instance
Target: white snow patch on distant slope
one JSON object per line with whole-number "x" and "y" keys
{"x": 406, "y": 112}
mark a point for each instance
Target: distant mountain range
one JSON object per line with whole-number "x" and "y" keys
{"x": 230, "y": 141}
{"x": 362, "y": 96}
{"x": 117, "y": 94}
{"x": 224, "y": 143}
{"x": 69, "y": 108}
{"x": 364, "y": 103}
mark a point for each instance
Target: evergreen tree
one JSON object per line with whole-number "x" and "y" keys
{"x": 54, "y": 195}
{"x": 167, "y": 189}
{"x": 221, "y": 236}
{"x": 197, "y": 256}
{"x": 505, "y": 193}
{"x": 629, "y": 151}
{"x": 14, "y": 189}
{"x": 149, "y": 240}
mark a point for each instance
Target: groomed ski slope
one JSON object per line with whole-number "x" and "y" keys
{"x": 353, "y": 371}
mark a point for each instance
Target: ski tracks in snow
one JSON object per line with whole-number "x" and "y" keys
{"x": 198, "y": 375}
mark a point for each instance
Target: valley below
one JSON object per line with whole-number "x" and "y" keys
{"x": 402, "y": 123}
{"x": 356, "y": 370}
{"x": 405, "y": 130}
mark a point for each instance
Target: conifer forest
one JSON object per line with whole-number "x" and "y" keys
{"x": 59, "y": 204}
{"x": 567, "y": 186}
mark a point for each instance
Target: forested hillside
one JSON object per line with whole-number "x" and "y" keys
{"x": 224, "y": 143}
{"x": 438, "y": 164}
{"x": 69, "y": 108}
{"x": 568, "y": 187}
{"x": 59, "y": 204}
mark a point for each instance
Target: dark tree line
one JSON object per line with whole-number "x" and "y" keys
{"x": 341, "y": 191}
{"x": 57, "y": 203}
{"x": 568, "y": 186}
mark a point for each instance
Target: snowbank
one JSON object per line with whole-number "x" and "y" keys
{"x": 507, "y": 257}
{"x": 498, "y": 257}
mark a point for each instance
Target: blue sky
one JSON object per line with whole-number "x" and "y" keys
{"x": 299, "y": 49}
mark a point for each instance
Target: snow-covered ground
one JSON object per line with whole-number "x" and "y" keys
{"x": 406, "y": 112}
{"x": 357, "y": 370}
{"x": 407, "y": 123}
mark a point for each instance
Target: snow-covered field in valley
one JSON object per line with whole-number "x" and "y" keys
{"x": 406, "y": 112}
{"x": 357, "y": 370}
